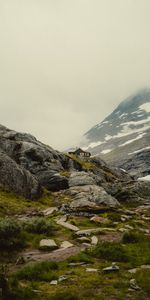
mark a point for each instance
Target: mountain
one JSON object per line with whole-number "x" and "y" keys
{"x": 124, "y": 135}
{"x": 28, "y": 166}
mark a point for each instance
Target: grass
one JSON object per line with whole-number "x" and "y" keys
{"x": 44, "y": 271}
{"x": 110, "y": 252}
{"x": 11, "y": 204}
{"x": 84, "y": 164}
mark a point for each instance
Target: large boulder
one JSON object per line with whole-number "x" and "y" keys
{"x": 18, "y": 179}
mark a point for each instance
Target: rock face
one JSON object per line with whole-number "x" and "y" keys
{"x": 41, "y": 161}
{"x": 27, "y": 165}
{"x": 87, "y": 194}
{"x": 18, "y": 179}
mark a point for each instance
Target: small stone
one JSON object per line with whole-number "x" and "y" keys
{"x": 62, "y": 278}
{"x": 66, "y": 245}
{"x": 94, "y": 240}
{"x": 83, "y": 239}
{"x": 112, "y": 268}
{"x": 129, "y": 227}
{"x": 91, "y": 270}
{"x": 97, "y": 219}
{"x": 145, "y": 267}
{"x": 134, "y": 285}
{"x": 47, "y": 244}
{"x": 133, "y": 271}
{"x": 49, "y": 211}
{"x": 54, "y": 282}
{"x": 123, "y": 229}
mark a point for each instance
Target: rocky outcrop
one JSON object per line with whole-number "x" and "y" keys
{"x": 18, "y": 179}
{"x": 27, "y": 165}
{"x": 40, "y": 160}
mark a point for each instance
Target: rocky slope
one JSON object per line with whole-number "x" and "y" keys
{"x": 124, "y": 136}
{"x": 27, "y": 166}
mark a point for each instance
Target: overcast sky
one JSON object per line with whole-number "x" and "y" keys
{"x": 65, "y": 64}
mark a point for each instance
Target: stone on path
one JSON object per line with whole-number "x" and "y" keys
{"x": 47, "y": 244}
{"x": 93, "y": 230}
{"x": 94, "y": 240}
{"x": 66, "y": 245}
{"x": 67, "y": 225}
{"x": 49, "y": 211}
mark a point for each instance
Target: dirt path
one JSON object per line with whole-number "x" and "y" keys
{"x": 56, "y": 255}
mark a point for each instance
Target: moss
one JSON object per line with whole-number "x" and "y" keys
{"x": 84, "y": 163}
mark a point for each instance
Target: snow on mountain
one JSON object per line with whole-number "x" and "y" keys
{"x": 124, "y": 132}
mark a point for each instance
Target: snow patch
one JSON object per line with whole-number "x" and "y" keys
{"x": 145, "y": 106}
{"x": 138, "y": 151}
{"x": 106, "y": 151}
{"x": 145, "y": 178}
{"x": 131, "y": 141}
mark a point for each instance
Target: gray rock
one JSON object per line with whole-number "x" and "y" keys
{"x": 49, "y": 211}
{"x": 48, "y": 244}
{"x": 17, "y": 179}
{"x": 94, "y": 240}
{"x": 91, "y": 270}
{"x": 112, "y": 268}
{"x": 54, "y": 282}
{"x": 90, "y": 231}
{"x": 67, "y": 225}
{"x": 80, "y": 178}
{"x": 66, "y": 245}
{"x": 134, "y": 285}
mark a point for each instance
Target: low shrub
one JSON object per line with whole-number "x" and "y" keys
{"x": 44, "y": 271}
{"x": 10, "y": 234}
{"x": 40, "y": 225}
{"x": 110, "y": 251}
{"x": 132, "y": 237}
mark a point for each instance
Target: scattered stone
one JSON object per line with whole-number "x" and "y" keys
{"x": 54, "y": 282}
{"x": 123, "y": 229}
{"x": 129, "y": 227}
{"x": 98, "y": 219}
{"x": 83, "y": 239}
{"x": 147, "y": 231}
{"x": 91, "y": 270}
{"x": 49, "y": 211}
{"x": 67, "y": 225}
{"x": 94, "y": 240}
{"x": 133, "y": 271}
{"x": 93, "y": 230}
{"x": 62, "y": 278}
{"x": 47, "y": 244}
{"x": 134, "y": 285}
{"x": 20, "y": 260}
{"x": 145, "y": 218}
{"x": 86, "y": 245}
{"x": 145, "y": 267}
{"x": 66, "y": 245}
{"x": 112, "y": 268}
{"x": 75, "y": 264}
{"x": 125, "y": 217}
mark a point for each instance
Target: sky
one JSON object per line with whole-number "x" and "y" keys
{"x": 66, "y": 64}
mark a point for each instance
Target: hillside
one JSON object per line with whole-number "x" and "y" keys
{"x": 64, "y": 221}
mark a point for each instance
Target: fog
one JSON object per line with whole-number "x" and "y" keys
{"x": 66, "y": 64}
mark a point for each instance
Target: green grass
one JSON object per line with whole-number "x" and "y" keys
{"x": 44, "y": 271}
{"x": 12, "y": 204}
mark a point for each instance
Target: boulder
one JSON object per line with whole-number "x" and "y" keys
{"x": 17, "y": 179}
{"x": 66, "y": 245}
{"x": 48, "y": 244}
{"x": 80, "y": 178}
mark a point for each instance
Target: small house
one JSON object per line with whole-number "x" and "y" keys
{"x": 81, "y": 153}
